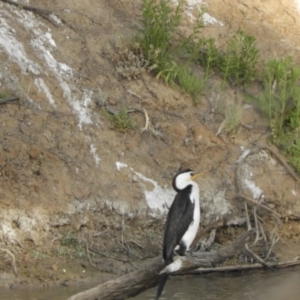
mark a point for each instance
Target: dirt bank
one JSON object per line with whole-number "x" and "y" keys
{"x": 79, "y": 197}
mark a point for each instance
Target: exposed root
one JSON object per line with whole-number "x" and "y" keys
{"x": 88, "y": 255}
{"x": 259, "y": 259}
{"x": 267, "y": 241}
{"x": 257, "y": 203}
{"x": 13, "y": 259}
{"x": 262, "y": 231}
{"x": 280, "y": 159}
{"x": 274, "y": 240}
{"x": 257, "y": 238}
{"x": 206, "y": 245}
{"x": 239, "y": 189}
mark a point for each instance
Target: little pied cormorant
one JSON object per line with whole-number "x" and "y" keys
{"x": 182, "y": 220}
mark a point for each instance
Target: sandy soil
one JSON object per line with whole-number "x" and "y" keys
{"x": 76, "y": 194}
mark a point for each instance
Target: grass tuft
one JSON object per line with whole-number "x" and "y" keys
{"x": 121, "y": 120}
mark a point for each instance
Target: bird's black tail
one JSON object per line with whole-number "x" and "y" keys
{"x": 162, "y": 280}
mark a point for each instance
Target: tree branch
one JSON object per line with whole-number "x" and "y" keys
{"x": 134, "y": 283}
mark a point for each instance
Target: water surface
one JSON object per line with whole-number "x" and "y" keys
{"x": 258, "y": 285}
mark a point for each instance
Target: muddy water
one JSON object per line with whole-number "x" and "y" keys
{"x": 279, "y": 285}
{"x": 267, "y": 285}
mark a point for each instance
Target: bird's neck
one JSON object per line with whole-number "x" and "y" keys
{"x": 194, "y": 196}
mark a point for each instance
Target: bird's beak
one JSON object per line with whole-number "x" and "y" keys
{"x": 196, "y": 175}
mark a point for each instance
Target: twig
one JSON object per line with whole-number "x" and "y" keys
{"x": 256, "y": 226}
{"x": 99, "y": 233}
{"x": 122, "y": 233}
{"x": 275, "y": 239}
{"x": 130, "y": 241}
{"x": 257, "y": 203}
{"x": 19, "y": 243}
{"x": 122, "y": 244}
{"x": 109, "y": 256}
{"x": 222, "y": 125}
{"x": 88, "y": 255}
{"x": 133, "y": 93}
{"x": 205, "y": 245}
{"x": 3, "y": 101}
{"x": 249, "y": 227}
{"x": 262, "y": 231}
{"x": 257, "y": 257}
{"x": 239, "y": 187}
{"x": 146, "y": 127}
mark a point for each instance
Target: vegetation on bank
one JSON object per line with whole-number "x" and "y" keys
{"x": 159, "y": 48}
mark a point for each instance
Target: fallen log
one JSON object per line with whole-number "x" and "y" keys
{"x": 134, "y": 283}
{"x": 256, "y": 266}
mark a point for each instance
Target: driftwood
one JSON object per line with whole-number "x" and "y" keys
{"x": 50, "y": 16}
{"x": 134, "y": 283}
{"x": 256, "y": 266}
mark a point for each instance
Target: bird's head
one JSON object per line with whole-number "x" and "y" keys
{"x": 184, "y": 178}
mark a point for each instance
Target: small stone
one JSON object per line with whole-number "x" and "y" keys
{"x": 54, "y": 267}
{"x": 34, "y": 152}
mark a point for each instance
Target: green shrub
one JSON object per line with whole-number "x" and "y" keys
{"x": 208, "y": 55}
{"x": 157, "y": 41}
{"x": 237, "y": 64}
{"x": 160, "y": 22}
{"x": 280, "y": 101}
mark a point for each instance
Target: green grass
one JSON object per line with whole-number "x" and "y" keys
{"x": 121, "y": 120}
{"x": 157, "y": 41}
{"x": 71, "y": 246}
{"x": 5, "y": 93}
{"x": 233, "y": 116}
{"x": 190, "y": 83}
{"x": 39, "y": 255}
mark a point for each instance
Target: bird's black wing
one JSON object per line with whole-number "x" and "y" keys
{"x": 179, "y": 218}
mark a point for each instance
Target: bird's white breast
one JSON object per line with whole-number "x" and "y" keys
{"x": 190, "y": 234}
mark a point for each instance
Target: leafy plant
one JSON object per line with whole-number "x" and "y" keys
{"x": 129, "y": 60}
{"x": 280, "y": 101}
{"x": 157, "y": 41}
{"x": 121, "y": 120}
{"x": 237, "y": 64}
{"x": 160, "y": 22}
{"x": 190, "y": 83}
{"x": 280, "y": 78}
{"x": 208, "y": 55}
